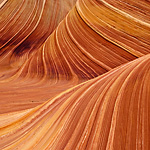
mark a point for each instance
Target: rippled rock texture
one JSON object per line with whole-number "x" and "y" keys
{"x": 74, "y": 75}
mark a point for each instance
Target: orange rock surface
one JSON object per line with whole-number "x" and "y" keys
{"x": 74, "y": 74}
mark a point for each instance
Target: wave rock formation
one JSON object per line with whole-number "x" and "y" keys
{"x": 74, "y": 75}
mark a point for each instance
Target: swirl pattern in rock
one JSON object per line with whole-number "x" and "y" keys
{"x": 74, "y": 76}
{"x": 107, "y": 112}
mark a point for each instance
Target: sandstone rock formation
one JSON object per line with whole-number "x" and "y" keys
{"x": 74, "y": 74}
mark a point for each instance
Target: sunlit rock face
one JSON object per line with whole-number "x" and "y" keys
{"x": 108, "y": 112}
{"x": 74, "y": 74}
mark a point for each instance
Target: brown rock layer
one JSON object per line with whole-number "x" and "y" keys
{"x": 108, "y": 112}
{"x": 81, "y": 82}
